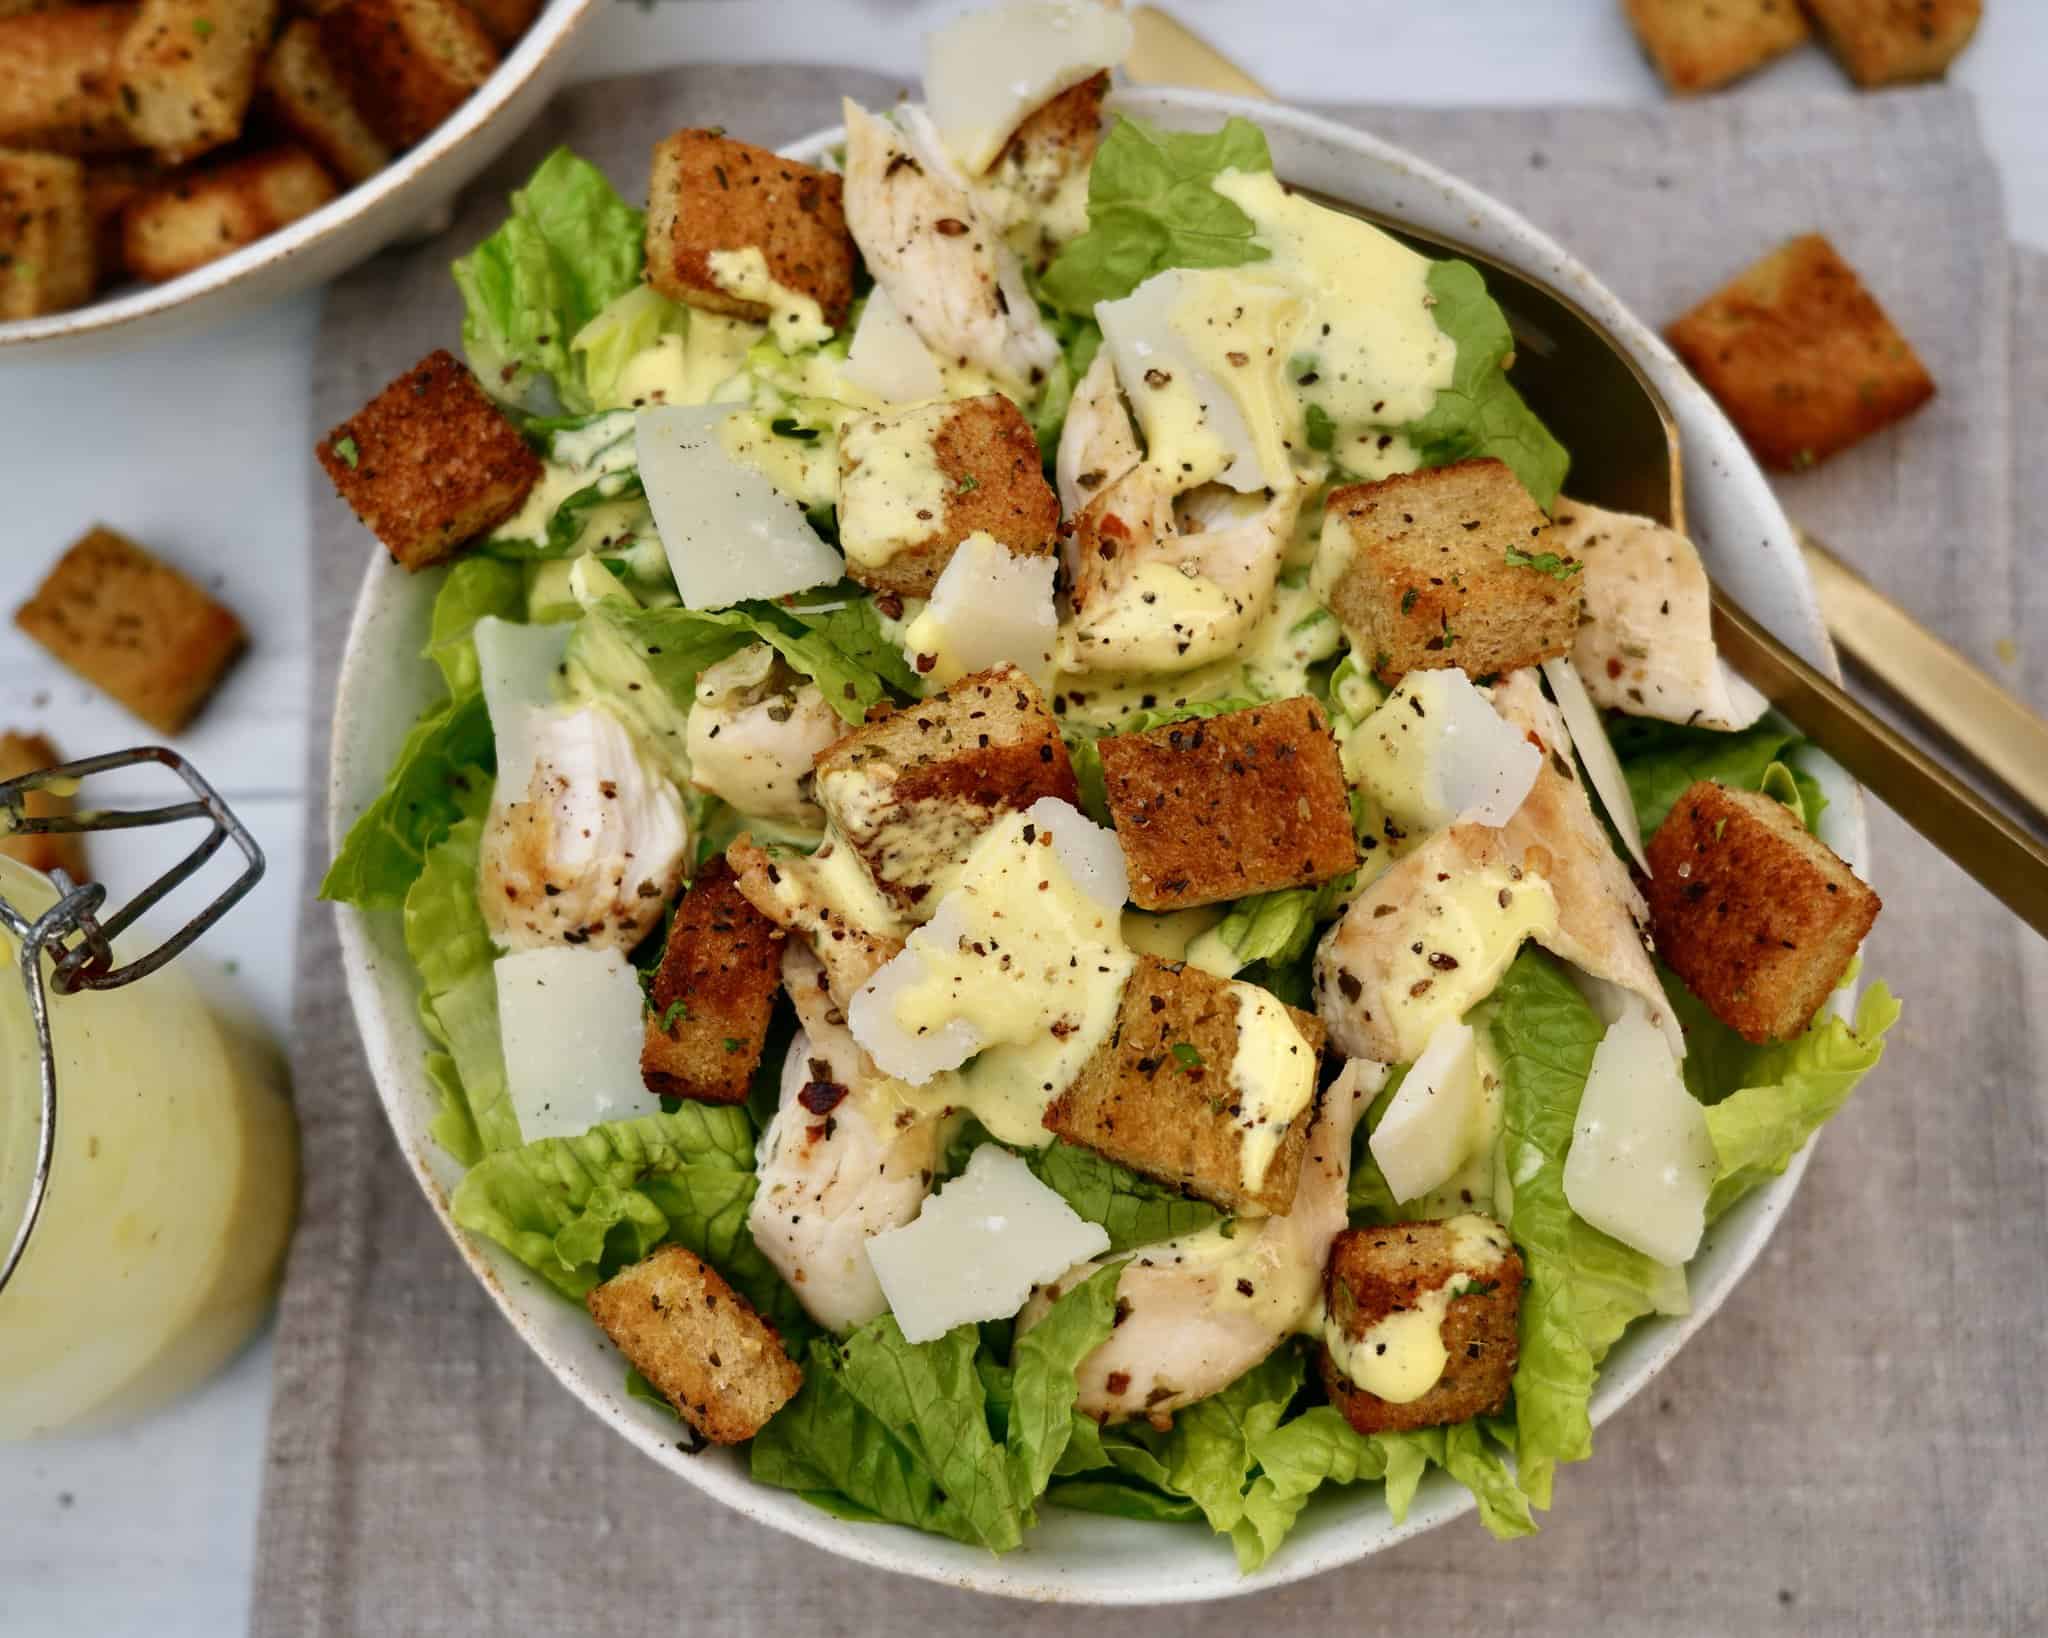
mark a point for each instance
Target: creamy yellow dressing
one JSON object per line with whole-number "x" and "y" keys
{"x": 1160, "y": 619}
{"x": 1402, "y": 1356}
{"x": 1255, "y": 1270}
{"x": 1168, "y": 935}
{"x": 1238, "y": 329}
{"x": 893, "y": 493}
{"x": 1273, "y": 1073}
{"x": 794, "y": 319}
{"x": 1467, "y": 930}
{"x": 804, "y": 469}
{"x": 580, "y": 457}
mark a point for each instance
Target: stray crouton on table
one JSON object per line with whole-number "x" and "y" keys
{"x": 1699, "y": 47}
{"x": 26, "y": 754}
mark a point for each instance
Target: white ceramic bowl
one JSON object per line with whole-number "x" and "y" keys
{"x": 406, "y": 196}
{"x": 1071, "y": 1556}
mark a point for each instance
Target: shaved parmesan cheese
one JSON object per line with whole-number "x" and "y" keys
{"x": 517, "y": 665}
{"x": 1603, "y": 767}
{"x": 991, "y": 607}
{"x": 913, "y": 1054}
{"x": 1742, "y": 700}
{"x": 571, "y": 1023}
{"x": 1435, "y": 752}
{"x": 886, "y": 356}
{"x": 1090, "y": 852}
{"x": 979, "y": 1246}
{"x": 1430, "y": 1127}
{"x": 729, "y": 532}
{"x": 1642, "y": 1161}
{"x": 985, "y": 74}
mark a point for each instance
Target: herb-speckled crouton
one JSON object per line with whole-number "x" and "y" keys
{"x": 699, "y": 1342}
{"x": 1881, "y": 42}
{"x": 1801, "y": 356}
{"x": 1212, "y": 809}
{"x": 713, "y": 993}
{"x": 31, "y": 753}
{"x": 1378, "y": 1272}
{"x": 59, "y": 91}
{"x": 1700, "y": 44}
{"x": 47, "y": 256}
{"x": 1425, "y": 569}
{"x": 708, "y": 194}
{"x": 991, "y": 479}
{"x": 134, "y": 627}
{"x": 795, "y": 891}
{"x": 302, "y": 91}
{"x": 1757, "y": 915}
{"x": 429, "y": 463}
{"x": 196, "y": 216}
{"x": 408, "y": 64}
{"x": 912, "y": 791}
{"x": 1158, "y": 1095}
{"x": 504, "y": 20}
{"x": 188, "y": 69}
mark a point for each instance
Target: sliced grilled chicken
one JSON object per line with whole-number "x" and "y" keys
{"x": 754, "y": 728}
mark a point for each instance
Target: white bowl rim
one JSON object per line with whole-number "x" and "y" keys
{"x": 1746, "y": 1230}
{"x": 548, "y": 32}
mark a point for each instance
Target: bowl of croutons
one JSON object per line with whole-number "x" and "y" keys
{"x": 165, "y": 162}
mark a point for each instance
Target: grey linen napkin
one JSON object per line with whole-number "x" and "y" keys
{"x": 1852, "y": 1444}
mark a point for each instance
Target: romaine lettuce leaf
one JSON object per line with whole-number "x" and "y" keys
{"x": 443, "y": 761}
{"x": 626, "y": 325}
{"x": 1134, "y": 1209}
{"x": 1151, "y": 206}
{"x": 475, "y": 587}
{"x": 1121, "y": 1497}
{"x": 1660, "y": 759}
{"x": 569, "y": 247}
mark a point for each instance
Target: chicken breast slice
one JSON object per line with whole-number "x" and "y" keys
{"x": 1098, "y": 444}
{"x": 1199, "y": 1311}
{"x": 595, "y": 852}
{"x": 838, "y": 1163}
{"x": 946, "y": 269}
{"x": 1646, "y": 646}
{"x": 809, "y": 896}
{"x": 754, "y": 729}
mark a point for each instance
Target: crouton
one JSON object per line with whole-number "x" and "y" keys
{"x": 197, "y": 216}
{"x": 407, "y": 64}
{"x": 708, "y": 194}
{"x": 699, "y": 1342}
{"x": 1215, "y": 808}
{"x": 60, "y": 91}
{"x": 796, "y": 891}
{"x": 1425, "y": 571}
{"x": 429, "y": 463}
{"x": 979, "y": 459}
{"x": 134, "y": 627}
{"x": 187, "y": 70}
{"x": 713, "y": 993}
{"x": 1699, "y": 45}
{"x": 47, "y": 256}
{"x": 31, "y": 753}
{"x": 110, "y": 184}
{"x": 1881, "y": 42}
{"x": 1801, "y": 356}
{"x": 504, "y": 20}
{"x": 303, "y": 93}
{"x": 1754, "y": 912}
{"x": 1377, "y": 1273}
{"x": 1158, "y": 1094}
{"x": 911, "y": 791}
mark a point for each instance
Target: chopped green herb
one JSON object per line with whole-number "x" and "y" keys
{"x": 1227, "y": 1228}
{"x": 346, "y": 452}
{"x": 784, "y": 427}
{"x": 1476, "y": 1288}
{"x": 203, "y": 27}
{"x": 1449, "y": 637}
{"x": 678, "y": 1009}
{"x": 732, "y": 1045}
{"x": 1186, "y": 1055}
{"x": 1408, "y": 599}
{"x": 967, "y": 485}
{"x": 1322, "y": 431}
{"x": 1558, "y": 568}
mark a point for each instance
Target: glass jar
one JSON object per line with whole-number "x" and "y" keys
{"x": 171, "y": 1190}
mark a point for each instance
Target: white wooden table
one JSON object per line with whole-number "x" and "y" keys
{"x": 200, "y": 446}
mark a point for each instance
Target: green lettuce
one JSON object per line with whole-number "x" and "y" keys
{"x": 444, "y": 759}
{"x": 1132, "y": 1208}
{"x": 1120, "y": 1497}
{"x": 570, "y": 246}
{"x": 1152, "y": 205}
{"x": 1660, "y": 759}
{"x": 475, "y": 587}
{"x": 625, "y": 326}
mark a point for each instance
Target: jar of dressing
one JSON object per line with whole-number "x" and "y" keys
{"x": 146, "y": 1225}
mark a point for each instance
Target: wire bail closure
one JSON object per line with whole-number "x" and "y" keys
{"x": 79, "y": 942}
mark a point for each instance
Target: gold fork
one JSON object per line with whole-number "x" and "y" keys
{"x": 1625, "y": 456}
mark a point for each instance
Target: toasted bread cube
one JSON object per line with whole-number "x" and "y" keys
{"x": 1801, "y": 356}
{"x": 990, "y": 479}
{"x": 197, "y": 216}
{"x": 1881, "y": 42}
{"x": 110, "y": 185}
{"x": 188, "y": 70}
{"x": 1757, "y": 915}
{"x": 795, "y": 892}
{"x": 504, "y": 20}
{"x": 1377, "y": 1272}
{"x": 1429, "y": 572}
{"x": 47, "y": 257}
{"x": 699, "y": 1342}
{"x": 430, "y": 463}
{"x": 1699, "y": 45}
{"x": 1157, "y": 1096}
{"x": 713, "y": 993}
{"x": 31, "y": 753}
{"x": 302, "y": 91}
{"x": 1215, "y": 808}
{"x": 708, "y": 193}
{"x": 911, "y": 791}
{"x": 408, "y": 64}
{"x": 133, "y": 627}
{"x": 59, "y": 90}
